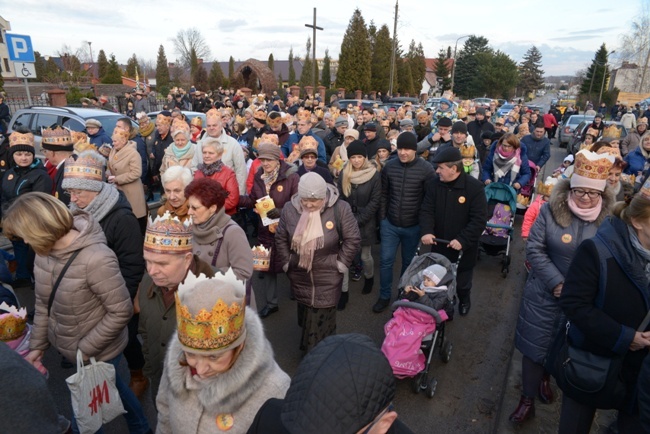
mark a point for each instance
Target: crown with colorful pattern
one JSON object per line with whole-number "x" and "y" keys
{"x": 307, "y": 142}
{"x": 84, "y": 173}
{"x": 12, "y": 323}
{"x": 17, "y": 138}
{"x": 56, "y": 139}
{"x": 304, "y": 115}
{"x": 210, "y": 313}
{"x": 167, "y": 234}
{"x": 163, "y": 119}
{"x": 593, "y": 166}
{"x": 270, "y": 138}
{"x": 179, "y": 124}
{"x": 260, "y": 116}
{"x": 119, "y": 133}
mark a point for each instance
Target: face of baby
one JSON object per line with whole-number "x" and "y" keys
{"x": 428, "y": 282}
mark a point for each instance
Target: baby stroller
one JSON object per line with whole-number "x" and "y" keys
{"x": 416, "y": 332}
{"x": 496, "y": 238}
{"x": 525, "y": 196}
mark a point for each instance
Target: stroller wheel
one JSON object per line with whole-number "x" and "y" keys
{"x": 445, "y": 351}
{"x": 431, "y": 390}
{"x": 504, "y": 272}
{"x": 416, "y": 386}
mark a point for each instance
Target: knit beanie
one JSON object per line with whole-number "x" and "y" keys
{"x": 407, "y": 140}
{"x": 435, "y": 272}
{"x": 357, "y": 147}
{"x": 84, "y": 173}
{"x": 312, "y": 186}
{"x": 459, "y": 127}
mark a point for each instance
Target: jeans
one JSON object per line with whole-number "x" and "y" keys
{"x": 391, "y": 237}
{"x": 135, "y": 418}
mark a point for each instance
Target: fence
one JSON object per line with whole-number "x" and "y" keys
{"x": 17, "y": 103}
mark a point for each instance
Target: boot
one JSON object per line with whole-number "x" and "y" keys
{"x": 367, "y": 286}
{"x": 545, "y": 390}
{"x": 342, "y": 301}
{"x": 138, "y": 383}
{"x": 524, "y": 411}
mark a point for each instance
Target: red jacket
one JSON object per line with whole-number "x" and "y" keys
{"x": 228, "y": 180}
{"x": 549, "y": 121}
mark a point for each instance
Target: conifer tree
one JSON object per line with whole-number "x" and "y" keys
{"x": 381, "y": 60}
{"x": 292, "y": 71}
{"x": 231, "y": 69}
{"x": 307, "y": 75}
{"x": 271, "y": 62}
{"x": 131, "y": 66}
{"x": 442, "y": 71}
{"x": 354, "y": 71}
{"x": 530, "y": 71}
{"x": 216, "y": 76}
{"x": 326, "y": 74}
{"x": 162, "y": 69}
{"x": 102, "y": 65}
{"x": 114, "y": 73}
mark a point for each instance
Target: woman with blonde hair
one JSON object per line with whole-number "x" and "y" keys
{"x": 180, "y": 152}
{"x": 507, "y": 162}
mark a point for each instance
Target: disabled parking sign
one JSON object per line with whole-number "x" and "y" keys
{"x": 20, "y": 48}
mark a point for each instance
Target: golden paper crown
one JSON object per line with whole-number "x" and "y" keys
{"x": 218, "y": 329}
{"x": 335, "y": 112}
{"x": 197, "y": 122}
{"x": 422, "y": 115}
{"x": 593, "y": 166}
{"x": 260, "y": 116}
{"x": 85, "y": 167}
{"x": 78, "y": 136}
{"x": 57, "y": 136}
{"x": 161, "y": 119}
{"x": 592, "y": 132}
{"x": 612, "y": 132}
{"x": 21, "y": 139}
{"x": 213, "y": 113}
{"x": 240, "y": 120}
{"x": 167, "y": 234}
{"x": 545, "y": 188}
{"x": 307, "y": 142}
{"x": 119, "y": 133}
{"x": 270, "y": 138}
{"x": 467, "y": 151}
{"x": 319, "y": 114}
{"x": 179, "y": 125}
{"x": 609, "y": 150}
{"x": 462, "y": 112}
{"x": 642, "y": 121}
{"x": 261, "y": 258}
{"x": 645, "y": 189}
{"x": 304, "y": 115}
{"x": 142, "y": 118}
{"x": 12, "y": 323}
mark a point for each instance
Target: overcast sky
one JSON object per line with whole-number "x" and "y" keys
{"x": 567, "y": 33}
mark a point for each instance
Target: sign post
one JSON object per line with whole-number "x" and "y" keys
{"x": 21, "y": 53}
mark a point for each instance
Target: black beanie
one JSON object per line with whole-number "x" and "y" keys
{"x": 444, "y": 122}
{"x": 407, "y": 140}
{"x": 357, "y": 147}
{"x": 459, "y": 127}
{"x": 26, "y": 148}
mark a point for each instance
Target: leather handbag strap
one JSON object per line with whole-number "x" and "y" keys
{"x": 218, "y": 248}
{"x": 58, "y": 280}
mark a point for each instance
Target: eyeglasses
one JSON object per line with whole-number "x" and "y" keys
{"x": 388, "y": 409}
{"x": 309, "y": 157}
{"x": 582, "y": 193}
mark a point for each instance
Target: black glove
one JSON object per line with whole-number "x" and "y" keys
{"x": 274, "y": 213}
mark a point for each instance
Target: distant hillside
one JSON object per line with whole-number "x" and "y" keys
{"x": 556, "y": 79}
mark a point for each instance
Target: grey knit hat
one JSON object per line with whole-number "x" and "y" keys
{"x": 312, "y": 186}
{"x": 85, "y": 173}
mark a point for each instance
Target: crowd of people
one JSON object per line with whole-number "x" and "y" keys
{"x": 312, "y": 186}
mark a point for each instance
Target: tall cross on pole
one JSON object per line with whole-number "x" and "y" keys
{"x": 315, "y": 27}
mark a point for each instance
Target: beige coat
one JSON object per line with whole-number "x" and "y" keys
{"x": 126, "y": 166}
{"x": 169, "y": 159}
{"x": 92, "y": 305}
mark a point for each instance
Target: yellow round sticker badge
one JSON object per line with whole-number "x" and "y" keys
{"x": 280, "y": 188}
{"x": 566, "y": 238}
{"x": 225, "y": 421}
{"x": 329, "y": 225}
{"x": 461, "y": 199}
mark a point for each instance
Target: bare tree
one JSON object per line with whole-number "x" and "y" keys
{"x": 187, "y": 39}
{"x": 635, "y": 46}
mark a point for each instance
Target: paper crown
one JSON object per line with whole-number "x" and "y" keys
{"x": 593, "y": 166}
{"x": 210, "y": 313}
{"x": 197, "y": 122}
{"x": 260, "y": 116}
{"x": 261, "y": 258}
{"x": 142, "y": 118}
{"x": 307, "y": 142}
{"x": 462, "y": 113}
{"x": 12, "y": 323}
{"x": 167, "y": 234}
{"x": 304, "y": 115}
{"x": 84, "y": 173}
{"x": 212, "y": 113}
{"x": 612, "y": 132}
{"x": 119, "y": 133}
{"x": 179, "y": 125}
{"x": 422, "y": 115}
{"x": 645, "y": 189}
{"x": 21, "y": 139}
{"x": 468, "y": 151}
{"x": 319, "y": 114}
{"x": 57, "y": 136}
{"x": 161, "y": 119}
{"x": 270, "y": 138}
{"x": 335, "y": 112}
{"x": 78, "y": 136}
{"x": 592, "y": 132}
{"x": 609, "y": 150}
{"x": 545, "y": 188}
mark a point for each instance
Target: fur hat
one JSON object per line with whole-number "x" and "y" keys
{"x": 84, "y": 173}
{"x": 312, "y": 186}
{"x": 357, "y": 147}
{"x": 591, "y": 170}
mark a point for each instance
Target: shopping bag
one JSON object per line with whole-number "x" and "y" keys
{"x": 95, "y": 400}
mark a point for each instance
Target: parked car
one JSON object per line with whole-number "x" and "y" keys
{"x": 433, "y": 104}
{"x": 188, "y": 115}
{"x": 581, "y": 130}
{"x": 501, "y": 102}
{"x": 482, "y": 102}
{"x": 36, "y": 118}
{"x": 403, "y": 99}
{"x": 365, "y": 103}
{"x": 566, "y": 130}
{"x": 505, "y": 109}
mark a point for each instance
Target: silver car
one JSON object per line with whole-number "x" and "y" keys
{"x": 568, "y": 128}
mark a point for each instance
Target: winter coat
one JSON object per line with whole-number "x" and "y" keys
{"x": 170, "y": 159}
{"x": 191, "y": 406}
{"x": 320, "y": 287}
{"x": 226, "y": 177}
{"x": 322, "y": 171}
{"x": 141, "y": 105}
{"x": 332, "y": 141}
{"x": 552, "y": 243}
{"x": 531, "y": 215}
{"x": 124, "y": 238}
{"x": 141, "y": 147}
{"x": 628, "y": 120}
{"x": 455, "y": 210}
{"x": 609, "y": 329}
{"x": 537, "y": 151}
{"x": 364, "y": 201}
{"x": 281, "y": 192}
{"x": 126, "y": 166}
{"x": 57, "y": 183}
{"x": 99, "y": 139}
{"x": 157, "y": 324}
{"x": 631, "y": 141}
{"x": 524, "y": 170}
{"x": 295, "y": 138}
{"x": 635, "y": 161}
{"x": 476, "y": 128}
{"x": 20, "y": 180}
{"x": 233, "y": 157}
{"x": 159, "y": 147}
{"x": 92, "y": 305}
{"x": 402, "y": 190}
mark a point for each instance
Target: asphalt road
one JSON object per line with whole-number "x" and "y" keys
{"x": 470, "y": 387}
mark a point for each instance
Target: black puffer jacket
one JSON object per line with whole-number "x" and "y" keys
{"x": 402, "y": 190}
{"x": 332, "y": 141}
{"x": 20, "y": 180}
{"x": 364, "y": 200}
{"x": 124, "y": 238}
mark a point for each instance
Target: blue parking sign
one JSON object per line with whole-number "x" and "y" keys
{"x": 20, "y": 48}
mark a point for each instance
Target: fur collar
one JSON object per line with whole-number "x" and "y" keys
{"x": 560, "y": 209}
{"x": 227, "y": 392}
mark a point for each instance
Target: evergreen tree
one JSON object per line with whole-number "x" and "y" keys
{"x": 114, "y": 73}
{"x": 216, "y": 76}
{"x": 194, "y": 63}
{"x": 231, "y": 69}
{"x": 131, "y": 66}
{"x": 292, "y": 71}
{"x": 102, "y": 65}
{"x": 594, "y": 78}
{"x": 443, "y": 73}
{"x": 39, "y": 66}
{"x": 497, "y": 74}
{"x": 417, "y": 65}
{"x": 354, "y": 71}
{"x": 280, "y": 81}
{"x": 372, "y": 35}
{"x": 162, "y": 69}
{"x": 200, "y": 78}
{"x": 380, "y": 68}
{"x": 405, "y": 83}
{"x": 326, "y": 74}
{"x": 271, "y": 62}
{"x": 467, "y": 65}
{"x": 307, "y": 75}
{"x": 530, "y": 71}
{"x": 449, "y": 52}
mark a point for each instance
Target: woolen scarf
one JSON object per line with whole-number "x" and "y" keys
{"x": 642, "y": 251}
{"x": 179, "y": 153}
{"x": 210, "y": 169}
{"x": 588, "y": 215}
{"x": 504, "y": 162}
{"x": 208, "y": 231}
{"x": 180, "y": 212}
{"x": 145, "y": 131}
{"x": 100, "y": 206}
{"x": 308, "y": 237}
{"x": 270, "y": 178}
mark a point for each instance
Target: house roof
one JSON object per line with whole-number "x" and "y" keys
{"x": 432, "y": 64}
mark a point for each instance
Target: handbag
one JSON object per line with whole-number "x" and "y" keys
{"x": 95, "y": 400}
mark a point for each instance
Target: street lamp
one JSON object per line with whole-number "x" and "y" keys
{"x": 453, "y": 66}
{"x": 602, "y": 85}
{"x": 91, "y": 61}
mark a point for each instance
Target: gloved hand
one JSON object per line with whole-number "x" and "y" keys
{"x": 274, "y": 213}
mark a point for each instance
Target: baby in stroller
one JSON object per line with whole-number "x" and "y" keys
{"x": 432, "y": 291}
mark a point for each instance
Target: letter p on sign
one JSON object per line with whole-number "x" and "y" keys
{"x": 20, "y": 48}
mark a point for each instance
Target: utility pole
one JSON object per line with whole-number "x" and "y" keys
{"x": 602, "y": 85}
{"x": 645, "y": 68}
{"x": 90, "y": 48}
{"x": 315, "y": 27}
{"x": 392, "y": 57}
